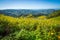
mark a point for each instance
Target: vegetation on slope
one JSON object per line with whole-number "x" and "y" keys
{"x": 54, "y": 14}
{"x": 29, "y": 28}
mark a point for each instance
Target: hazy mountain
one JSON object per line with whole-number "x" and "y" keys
{"x": 24, "y": 12}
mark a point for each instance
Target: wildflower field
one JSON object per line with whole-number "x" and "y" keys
{"x": 29, "y": 28}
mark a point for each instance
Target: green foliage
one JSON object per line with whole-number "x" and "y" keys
{"x": 54, "y": 14}
{"x": 29, "y": 28}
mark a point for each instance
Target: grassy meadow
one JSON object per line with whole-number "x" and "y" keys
{"x": 29, "y": 28}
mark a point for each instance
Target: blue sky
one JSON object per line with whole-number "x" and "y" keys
{"x": 29, "y": 4}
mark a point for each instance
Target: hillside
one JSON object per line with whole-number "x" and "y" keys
{"x": 29, "y": 28}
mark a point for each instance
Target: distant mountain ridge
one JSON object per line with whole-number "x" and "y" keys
{"x": 24, "y": 12}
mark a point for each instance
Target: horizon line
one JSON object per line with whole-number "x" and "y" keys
{"x": 30, "y": 9}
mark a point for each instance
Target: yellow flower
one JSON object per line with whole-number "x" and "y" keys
{"x": 58, "y": 37}
{"x": 52, "y": 33}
